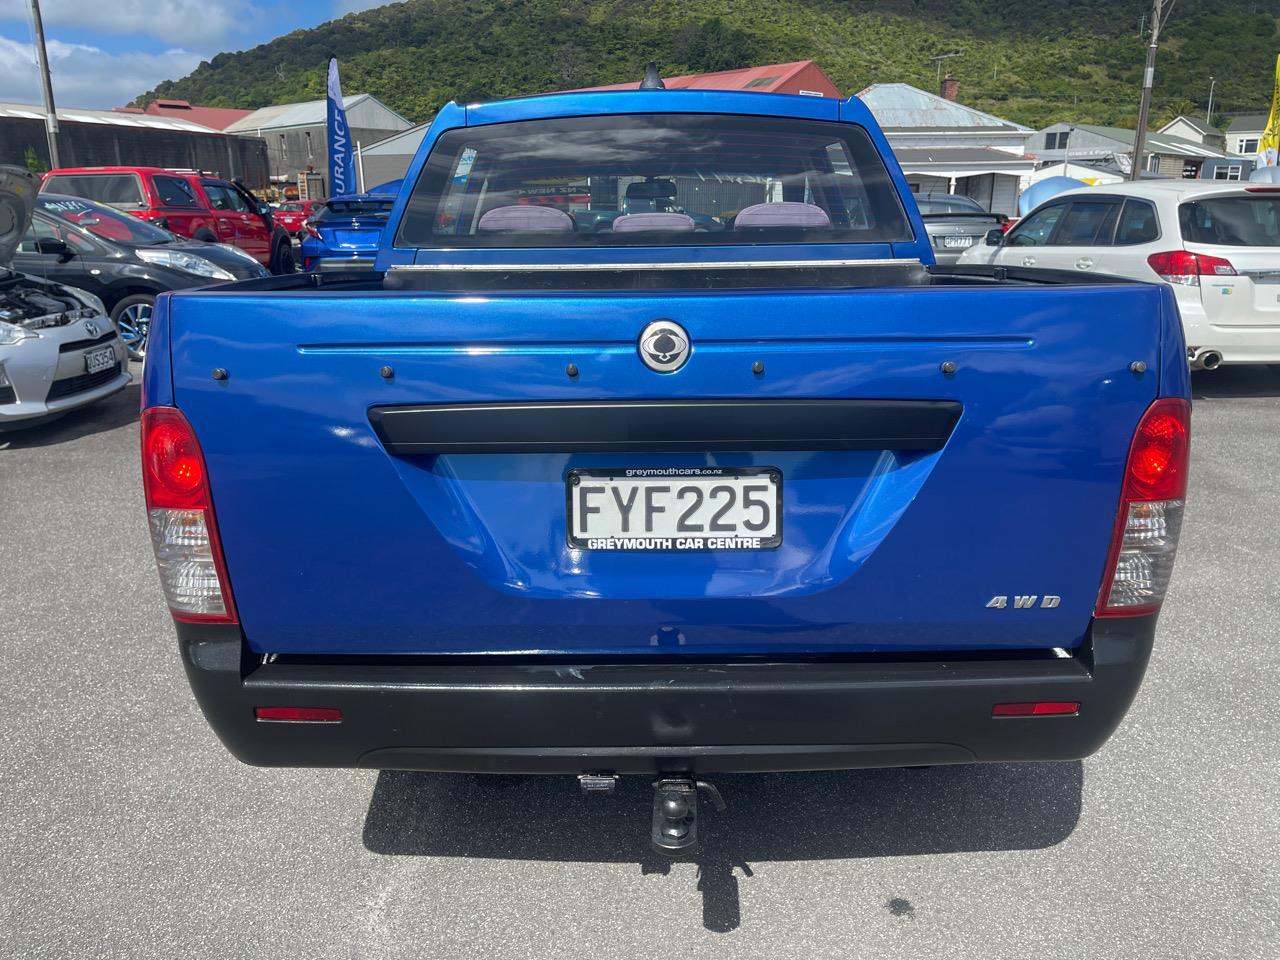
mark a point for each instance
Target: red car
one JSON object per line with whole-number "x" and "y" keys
{"x": 293, "y": 214}
{"x": 185, "y": 202}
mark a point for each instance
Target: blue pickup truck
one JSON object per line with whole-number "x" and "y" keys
{"x": 658, "y": 500}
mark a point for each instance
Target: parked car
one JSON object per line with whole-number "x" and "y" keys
{"x": 1216, "y": 243}
{"x": 659, "y": 501}
{"x": 343, "y": 234}
{"x": 58, "y": 348}
{"x": 123, "y": 261}
{"x": 185, "y": 202}
{"x": 955, "y": 223}
{"x": 292, "y": 215}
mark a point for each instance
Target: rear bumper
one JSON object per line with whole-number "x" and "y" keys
{"x": 1242, "y": 343}
{"x": 511, "y": 716}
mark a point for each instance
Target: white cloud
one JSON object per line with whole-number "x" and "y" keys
{"x": 85, "y": 76}
{"x": 166, "y": 20}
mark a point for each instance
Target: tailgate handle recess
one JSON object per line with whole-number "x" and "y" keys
{"x": 665, "y": 425}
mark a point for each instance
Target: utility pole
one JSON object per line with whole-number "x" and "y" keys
{"x": 1208, "y": 115}
{"x": 1148, "y": 79}
{"x": 50, "y": 111}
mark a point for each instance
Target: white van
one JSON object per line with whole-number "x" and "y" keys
{"x": 1218, "y": 245}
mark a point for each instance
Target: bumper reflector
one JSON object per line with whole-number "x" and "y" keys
{"x": 298, "y": 714}
{"x": 1038, "y": 708}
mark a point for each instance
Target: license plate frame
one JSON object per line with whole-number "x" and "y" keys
{"x": 959, "y": 243}
{"x": 100, "y": 359}
{"x": 687, "y": 541}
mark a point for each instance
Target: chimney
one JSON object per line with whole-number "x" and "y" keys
{"x": 949, "y": 86}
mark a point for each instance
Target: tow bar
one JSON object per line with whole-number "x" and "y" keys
{"x": 675, "y": 809}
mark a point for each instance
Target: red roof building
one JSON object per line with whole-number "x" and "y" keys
{"x": 216, "y": 118}
{"x": 801, "y": 77}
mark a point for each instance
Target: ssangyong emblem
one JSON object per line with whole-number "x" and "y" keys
{"x": 91, "y": 328}
{"x": 664, "y": 346}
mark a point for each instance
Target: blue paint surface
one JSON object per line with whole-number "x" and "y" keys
{"x": 335, "y": 546}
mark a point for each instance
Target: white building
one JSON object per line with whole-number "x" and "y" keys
{"x": 1245, "y": 131}
{"x": 946, "y": 147}
{"x": 1164, "y": 154}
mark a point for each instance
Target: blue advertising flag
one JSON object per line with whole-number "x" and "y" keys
{"x": 342, "y": 171}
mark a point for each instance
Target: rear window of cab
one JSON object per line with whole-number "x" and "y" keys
{"x": 653, "y": 180}
{"x": 117, "y": 189}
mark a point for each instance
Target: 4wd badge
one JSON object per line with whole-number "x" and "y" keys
{"x": 1023, "y": 601}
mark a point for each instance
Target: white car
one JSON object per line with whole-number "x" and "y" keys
{"x": 58, "y": 348}
{"x": 1217, "y": 244}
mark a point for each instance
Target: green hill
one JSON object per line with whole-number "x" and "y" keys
{"x": 1033, "y": 62}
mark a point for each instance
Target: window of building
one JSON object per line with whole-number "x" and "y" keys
{"x": 310, "y": 153}
{"x": 760, "y": 82}
{"x": 1190, "y": 170}
{"x": 284, "y": 149}
{"x": 1057, "y": 140}
{"x": 1228, "y": 172}
{"x": 1249, "y": 146}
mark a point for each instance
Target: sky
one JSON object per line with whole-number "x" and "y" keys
{"x": 103, "y": 53}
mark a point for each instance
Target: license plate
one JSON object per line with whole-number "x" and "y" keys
{"x": 686, "y": 508}
{"x": 95, "y": 361}
{"x": 954, "y": 242}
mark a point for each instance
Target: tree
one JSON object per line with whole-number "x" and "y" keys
{"x": 33, "y": 161}
{"x": 710, "y": 46}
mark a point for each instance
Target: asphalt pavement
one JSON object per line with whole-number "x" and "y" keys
{"x": 127, "y": 830}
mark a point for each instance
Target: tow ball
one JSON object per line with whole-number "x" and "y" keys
{"x": 675, "y": 814}
{"x": 675, "y": 809}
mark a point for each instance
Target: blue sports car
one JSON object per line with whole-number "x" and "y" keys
{"x": 344, "y": 233}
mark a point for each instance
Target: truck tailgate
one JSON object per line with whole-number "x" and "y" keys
{"x": 343, "y": 536}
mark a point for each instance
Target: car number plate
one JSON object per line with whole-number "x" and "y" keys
{"x": 95, "y": 361}
{"x": 954, "y": 242}
{"x": 684, "y": 508}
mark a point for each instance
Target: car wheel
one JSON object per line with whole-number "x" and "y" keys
{"x": 132, "y": 317}
{"x": 283, "y": 262}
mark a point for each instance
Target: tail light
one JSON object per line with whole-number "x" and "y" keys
{"x": 180, "y": 514}
{"x": 310, "y": 228}
{"x": 1150, "y": 515}
{"x": 1186, "y": 268}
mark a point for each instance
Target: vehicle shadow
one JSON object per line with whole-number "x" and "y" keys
{"x": 115, "y": 411}
{"x": 812, "y": 816}
{"x": 1251, "y": 380}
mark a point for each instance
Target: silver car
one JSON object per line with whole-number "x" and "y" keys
{"x": 58, "y": 348}
{"x": 955, "y": 223}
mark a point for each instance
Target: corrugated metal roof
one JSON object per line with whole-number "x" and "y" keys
{"x": 115, "y": 118}
{"x": 762, "y": 79}
{"x": 217, "y": 118}
{"x": 1165, "y": 143}
{"x": 311, "y": 113}
{"x": 962, "y": 155}
{"x": 901, "y": 105}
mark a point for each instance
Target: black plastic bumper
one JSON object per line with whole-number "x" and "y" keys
{"x": 645, "y": 717}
